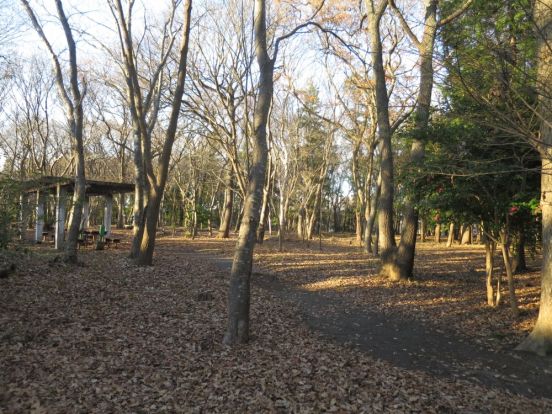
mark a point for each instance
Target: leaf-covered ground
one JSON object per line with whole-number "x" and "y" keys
{"x": 109, "y": 337}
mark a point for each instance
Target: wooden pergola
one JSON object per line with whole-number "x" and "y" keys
{"x": 61, "y": 188}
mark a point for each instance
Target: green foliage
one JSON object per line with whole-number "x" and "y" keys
{"x": 9, "y": 209}
{"x": 472, "y": 174}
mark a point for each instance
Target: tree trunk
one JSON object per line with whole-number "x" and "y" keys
{"x": 466, "y": 234}
{"x": 140, "y": 191}
{"x": 72, "y": 98}
{"x": 505, "y": 248}
{"x": 121, "y": 212}
{"x": 239, "y": 293}
{"x": 490, "y": 247}
{"x": 519, "y": 263}
{"x": 157, "y": 183}
{"x": 71, "y": 244}
{"x": 358, "y": 227}
{"x": 385, "y": 201}
{"x": 266, "y": 204}
{"x": 226, "y": 216}
{"x": 423, "y": 229}
{"x": 450, "y": 237}
{"x": 371, "y": 219}
{"x": 375, "y": 249}
{"x": 404, "y": 260}
{"x": 437, "y": 235}
{"x": 539, "y": 340}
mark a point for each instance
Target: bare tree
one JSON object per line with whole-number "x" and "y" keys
{"x": 239, "y": 293}
{"x": 402, "y": 265}
{"x": 144, "y": 108}
{"x": 72, "y": 97}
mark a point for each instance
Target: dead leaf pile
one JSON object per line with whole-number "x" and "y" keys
{"x": 110, "y": 337}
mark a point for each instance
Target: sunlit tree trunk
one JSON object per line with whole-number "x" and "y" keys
{"x": 437, "y": 235}
{"x": 237, "y": 330}
{"x": 450, "y": 237}
{"x": 385, "y": 201}
{"x": 540, "y": 339}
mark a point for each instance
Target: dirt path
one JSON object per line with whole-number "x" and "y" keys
{"x": 406, "y": 342}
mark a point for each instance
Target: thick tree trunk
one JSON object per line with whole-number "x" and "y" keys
{"x": 226, "y": 216}
{"x": 540, "y": 339}
{"x": 157, "y": 184}
{"x": 385, "y": 201}
{"x": 404, "y": 260}
{"x": 437, "y": 235}
{"x": 140, "y": 191}
{"x": 450, "y": 237}
{"x": 71, "y": 243}
{"x": 466, "y": 234}
{"x": 239, "y": 293}
{"x": 147, "y": 245}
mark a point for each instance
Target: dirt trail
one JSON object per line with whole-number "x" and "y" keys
{"x": 406, "y": 342}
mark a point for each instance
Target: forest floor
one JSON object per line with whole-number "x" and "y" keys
{"x": 328, "y": 335}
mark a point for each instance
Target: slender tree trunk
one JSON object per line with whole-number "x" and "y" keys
{"x": 505, "y": 248}
{"x": 423, "y": 229}
{"x": 358, "y": 226}
{"x": 226, "y": 217}
{"x": 375, "y": 249}
{"x": 267, "y": 190}
{"x": 371, "y": 218}
{"x": 239, "y": 293}
{"x": 519, "y": 263}
{"x": 490, "y": 247}
{"x": 72, "y": 98}
{"x": 301, "y": 218}
{"x": 121, "y": 212}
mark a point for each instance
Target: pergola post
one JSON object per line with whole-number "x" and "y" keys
{"x": 39, "y": 227}
{"x": 108, "y": 213}
{"x": 61, "y": 198}
{"x": 23, "y": 216}
{"x": 85, "y": 220}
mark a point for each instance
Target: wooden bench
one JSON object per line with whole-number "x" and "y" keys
{"x": 112, "y": 241}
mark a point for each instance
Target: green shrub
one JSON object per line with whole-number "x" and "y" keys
{"x": 9, "y": 209}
